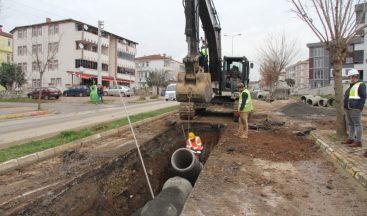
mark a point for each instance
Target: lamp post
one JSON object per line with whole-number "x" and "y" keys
{"x": 232, "y": 36}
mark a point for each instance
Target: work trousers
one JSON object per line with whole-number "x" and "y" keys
{"x": 354, "y": 123}
{"x": 243, "y": 124}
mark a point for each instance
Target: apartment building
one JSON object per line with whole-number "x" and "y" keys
{"x": 360, "y": 44}
{"x": 74, "y": 44}
{"x": 6, "y": 47}
{"x": 299, "y": 72}
{"x": 157, "y": 63}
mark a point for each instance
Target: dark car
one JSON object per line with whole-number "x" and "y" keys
{"x": 81, "y": 91}
{"x": 46, "y": 93}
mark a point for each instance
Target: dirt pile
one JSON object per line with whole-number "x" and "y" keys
{"x": 301, "y": 110}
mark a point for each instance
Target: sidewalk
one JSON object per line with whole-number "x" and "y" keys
{"x": 350, "y": 159}
{"x": 16, "y": 114}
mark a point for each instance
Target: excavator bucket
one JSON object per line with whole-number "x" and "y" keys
{"x": 194, "y": 87}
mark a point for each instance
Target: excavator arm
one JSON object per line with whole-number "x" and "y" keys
{"x": 193, "y": 84}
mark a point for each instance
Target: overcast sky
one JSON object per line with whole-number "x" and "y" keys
{"x": 158, "y": 25}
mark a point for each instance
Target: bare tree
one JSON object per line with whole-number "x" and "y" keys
{"x": 275, "y": 55}
{"x": 158, "y": 78}
{"x": 337, "y": 26}
{"x": 43, "y": 53}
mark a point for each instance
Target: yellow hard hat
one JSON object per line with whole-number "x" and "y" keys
{"x": 191, "y": 135}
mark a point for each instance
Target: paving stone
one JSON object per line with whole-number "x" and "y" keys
{"x": 362, "y": 178}
{"x": 28, "y": 159}
{"x": 48, "y": 153}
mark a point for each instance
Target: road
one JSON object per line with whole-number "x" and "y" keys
{"x": 17, "y": 131}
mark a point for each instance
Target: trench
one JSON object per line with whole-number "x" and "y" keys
{"x": 119, "y": 187}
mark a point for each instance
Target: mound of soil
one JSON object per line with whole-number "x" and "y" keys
{"x": 300, "y": 110}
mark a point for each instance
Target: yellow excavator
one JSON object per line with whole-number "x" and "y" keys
{"x": 200, "y": 88}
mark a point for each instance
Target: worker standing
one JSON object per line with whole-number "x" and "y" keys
{"x": 354, "y": 100}
{"x": 204, "y": 58}
{"x": 244, "y": 109}
{"x": 194, "y": 144}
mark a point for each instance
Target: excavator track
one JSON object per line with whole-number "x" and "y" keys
{"x": 187, "y": 111}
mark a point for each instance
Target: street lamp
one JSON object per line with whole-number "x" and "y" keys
{"x": 232, "y": 36}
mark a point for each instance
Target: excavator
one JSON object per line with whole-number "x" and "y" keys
{"x": 214, "y": 87}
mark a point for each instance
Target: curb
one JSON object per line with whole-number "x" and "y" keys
{"x": 26, "y": 114}
{"x": 27, "y": 160}
{"x": 347, "y": 165}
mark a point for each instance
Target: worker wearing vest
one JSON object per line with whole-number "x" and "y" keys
{"x": 203, "y": 59}
{"x": 195, "y": 145}
{"x": 354, "y": 100}
{"x": 244, "y": 108}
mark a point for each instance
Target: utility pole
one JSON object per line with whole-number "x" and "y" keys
{"x": 99, "y": 63}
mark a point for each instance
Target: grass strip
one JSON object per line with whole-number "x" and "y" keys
{"x": 72, "y": 135}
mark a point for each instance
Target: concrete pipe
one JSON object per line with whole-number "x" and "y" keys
{"x": 331, "y": 102}
{"x": 170, "y": 201}
{"x": 186, "y": 165}
{"x": 263, "y": 96}
{"x": 304, "y": 98}
{"x": 314, "y": 101}
{"x": 323, "y": 102}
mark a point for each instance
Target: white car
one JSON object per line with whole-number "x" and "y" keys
{"x": 116, "y": 90}
{"x": 170, "y": 93}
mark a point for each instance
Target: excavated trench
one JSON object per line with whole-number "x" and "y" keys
{"x": 119, "y": 187}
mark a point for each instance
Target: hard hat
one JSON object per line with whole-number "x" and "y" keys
{"x": 191, "y": 135}
{"x": 353, "y": 72}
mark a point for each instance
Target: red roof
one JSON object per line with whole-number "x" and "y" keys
{"x": 4, "y": 34}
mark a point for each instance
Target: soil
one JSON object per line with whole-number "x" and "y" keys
{"x": 274, "y": 172}
{"x": 302, "y": 110}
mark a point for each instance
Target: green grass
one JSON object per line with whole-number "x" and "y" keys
{"x": 22, "y": 100}
{"x": 69, "y": 136}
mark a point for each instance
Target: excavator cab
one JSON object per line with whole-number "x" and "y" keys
{"x": 235, "y": 70}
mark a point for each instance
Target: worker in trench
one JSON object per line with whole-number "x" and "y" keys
{"x": 245, "y": 107}
{"x": 354, "y": 100}
{"x": 195, "y": 145}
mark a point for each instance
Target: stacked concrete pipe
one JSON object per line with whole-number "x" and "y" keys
{"x": 304, "y": 98}
{"x": 323, "y": 102}
{"x": 263, "y": 96}
{"x": 314, "y": 101}
{"x": 331, "y": 102}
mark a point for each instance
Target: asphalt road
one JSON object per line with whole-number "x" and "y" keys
{"x": 17, "y": 131}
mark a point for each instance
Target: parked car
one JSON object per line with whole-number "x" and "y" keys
{"x": 46, "y": 93}
{"x": 81, "y": 91}
{"x": 115, "y": 91}
{"x": 170, "y": 93}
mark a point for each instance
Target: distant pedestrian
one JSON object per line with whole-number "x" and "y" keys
{"x": 354, "y": 100}
{"x": 94, "y": 94}
{"x": 245, "y": 107}
{"x": 100, "y": 93}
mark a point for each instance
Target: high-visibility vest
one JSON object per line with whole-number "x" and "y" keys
{"x": 204, "y": 52}
{"x": 248, "y": 106}
{"x": 353, "y": 92}
{"x": 195, "y": 145}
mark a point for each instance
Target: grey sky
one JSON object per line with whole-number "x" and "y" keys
{"x": 158, "y": 25}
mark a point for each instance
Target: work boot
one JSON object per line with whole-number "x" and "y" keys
{"x": 355, "y": 144}
{"x": 365, "y": 154}
{"x": 243, "y": 136}
{"x": 347, "y": 142}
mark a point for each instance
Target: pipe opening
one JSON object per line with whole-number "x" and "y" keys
{"x": 182, "y": 159}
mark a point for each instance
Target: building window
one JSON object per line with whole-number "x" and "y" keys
{"x": 9, "y": 43}
{"x": 146, "y": 64}
{"x": 34, "y": 66}
{"x": 53, "y": 29}
{"x": 359, "y": 56}
{"x": 20, "y": 34}
{"x": 318, "y": 63}
{"x": 37, "y": 49}
{"x": 318, "y": 52}
{"x": 24, "y": 67}
{"x": 53, "y": 48}
{"x": 22, "y": 50}
{"x": 58, "y": 82}
{"x": 349, "y": 60}
{"x": 37, "y": 31}
{"x": 53, "y": 65}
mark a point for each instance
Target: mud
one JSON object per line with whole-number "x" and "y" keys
{"x": 117, "y": 186}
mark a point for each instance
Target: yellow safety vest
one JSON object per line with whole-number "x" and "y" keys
{"x": 353, "y": 93}
{"x": 248, "y": 106}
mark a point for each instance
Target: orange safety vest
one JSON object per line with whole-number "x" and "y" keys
{"x": 195, "y": 145}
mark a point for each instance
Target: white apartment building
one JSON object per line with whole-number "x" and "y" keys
{"x": 299, "y": 72}
{"x": 75, "y": 62}
{"x": 360, "y": 45}
{"x": 157, "y": 63}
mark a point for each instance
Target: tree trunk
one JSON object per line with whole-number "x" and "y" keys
{"x": 338, "y": 88}
{"x": 40, "y": 92}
